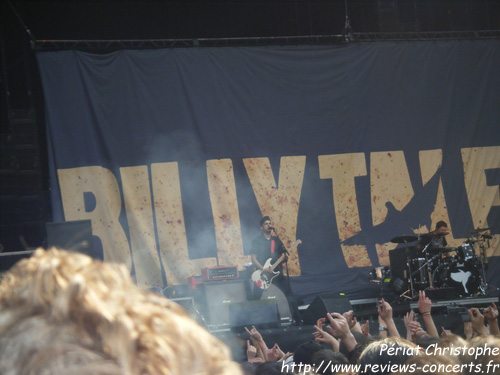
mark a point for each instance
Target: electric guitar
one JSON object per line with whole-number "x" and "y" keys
{"x": 264, "y": 280}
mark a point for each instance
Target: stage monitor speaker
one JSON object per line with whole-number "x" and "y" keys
{"x": 442, "y": 293}
{"x": 7, "y": 260}
{"x": 320, "y": 306}
{"x": 261, "y": 313}
{"x": 218, "y": 295}
{"x": 71, "y": 235}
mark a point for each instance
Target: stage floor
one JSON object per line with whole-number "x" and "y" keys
{"x": 445, "y": 314}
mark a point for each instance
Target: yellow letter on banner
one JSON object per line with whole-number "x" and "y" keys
{"x": 482, "y": 197}
{"x": 222, "y": 189}
{"x": 342, "y": 169}
{"x": 101, "y": 182}
{"x": 430, "y": 161}
{"x": 137, "y": 197}
{"x": 279, "y": 201}
{"x": 170, "y": 225}
{"x": 390, "y": 182}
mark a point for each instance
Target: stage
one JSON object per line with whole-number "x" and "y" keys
{"x": 446, "y": 313}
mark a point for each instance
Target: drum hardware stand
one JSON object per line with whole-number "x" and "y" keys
{"x": 430, "y": 275}
{"x": 427, "y": 261}
{"x": 484, "y": 288}
{"x": 408, "y": 263}
{"x": 410, "y": 274}
{"x": 405, "y": 296}
{"x": 437, "y": 269}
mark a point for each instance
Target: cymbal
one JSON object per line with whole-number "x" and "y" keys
{"x": 435, "y": 234}
{"x": 471, "y": 241}
{"x": 404, "y": 239}
{"x": 447, "y": 249}
{"x": 479, "y": 230}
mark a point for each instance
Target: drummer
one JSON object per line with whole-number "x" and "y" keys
{"x": 435, "y": 239}
{"x": 438, "y": 239}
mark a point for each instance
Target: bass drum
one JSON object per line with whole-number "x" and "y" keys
{"x": 464, "y": 277}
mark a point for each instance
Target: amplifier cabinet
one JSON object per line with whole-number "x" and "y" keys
{"x": 218, "y": 296}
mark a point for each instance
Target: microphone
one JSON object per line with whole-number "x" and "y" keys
{"x": 272, "y": 228}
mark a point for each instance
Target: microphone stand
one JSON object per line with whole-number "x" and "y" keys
{"x": 292, "y": 302}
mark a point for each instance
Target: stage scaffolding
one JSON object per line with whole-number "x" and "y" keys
{"x": 338, "y": 39}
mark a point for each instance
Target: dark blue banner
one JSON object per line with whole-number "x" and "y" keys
{"x": 176, "y": 154}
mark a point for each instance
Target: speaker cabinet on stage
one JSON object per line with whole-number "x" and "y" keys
{"x": 397, "y": 257}
{"x": 399, "y": 268}
{"x": 218, "y": 296}
{"x": 260, "y": 313}
{"x": 71, "y": 235}
{"x": 321, "y": 305}
{"x": 274, "y": 293}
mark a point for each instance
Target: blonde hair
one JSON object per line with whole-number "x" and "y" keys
{"x": 62, "y": 311}
{"x": 373, "y": 355}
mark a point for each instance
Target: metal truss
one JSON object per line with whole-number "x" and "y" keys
{"x": 339, "y": 39}
{"x": 428, "y": 35}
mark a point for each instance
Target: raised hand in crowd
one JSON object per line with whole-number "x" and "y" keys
{"x": 275, "y": 353}
{"x": 416, "y": 330}
{"x": 258, "y": 341}
{"x": 409, "y": 317}
{"x": 285, "y": 357}
{"x": 424, "y": 306}
{"x": 382, "y": 328}
{"x": 322, "y": 336}
{"x": 260, "y": 353}
{"x": 468, "y": 332}
{"x": 252, "y": 354}
{"x": 445, "y": 332}
{"x": 320, "y": 323}
{"x": 354, "y": 326}
{"x": 491, "y": 315}
{"x": 254, "y": 334}
{"x": 477, "y": 320}
{"x": 365, "y": 328}
{"x": 339, "y": 327}
{"x": 385, "y": 313}
{"x": 384, "y": 310}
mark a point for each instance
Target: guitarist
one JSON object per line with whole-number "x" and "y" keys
{"x": 268, "y": 245}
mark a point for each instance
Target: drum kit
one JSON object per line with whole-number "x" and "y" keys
{"x": 461, "y": 269}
